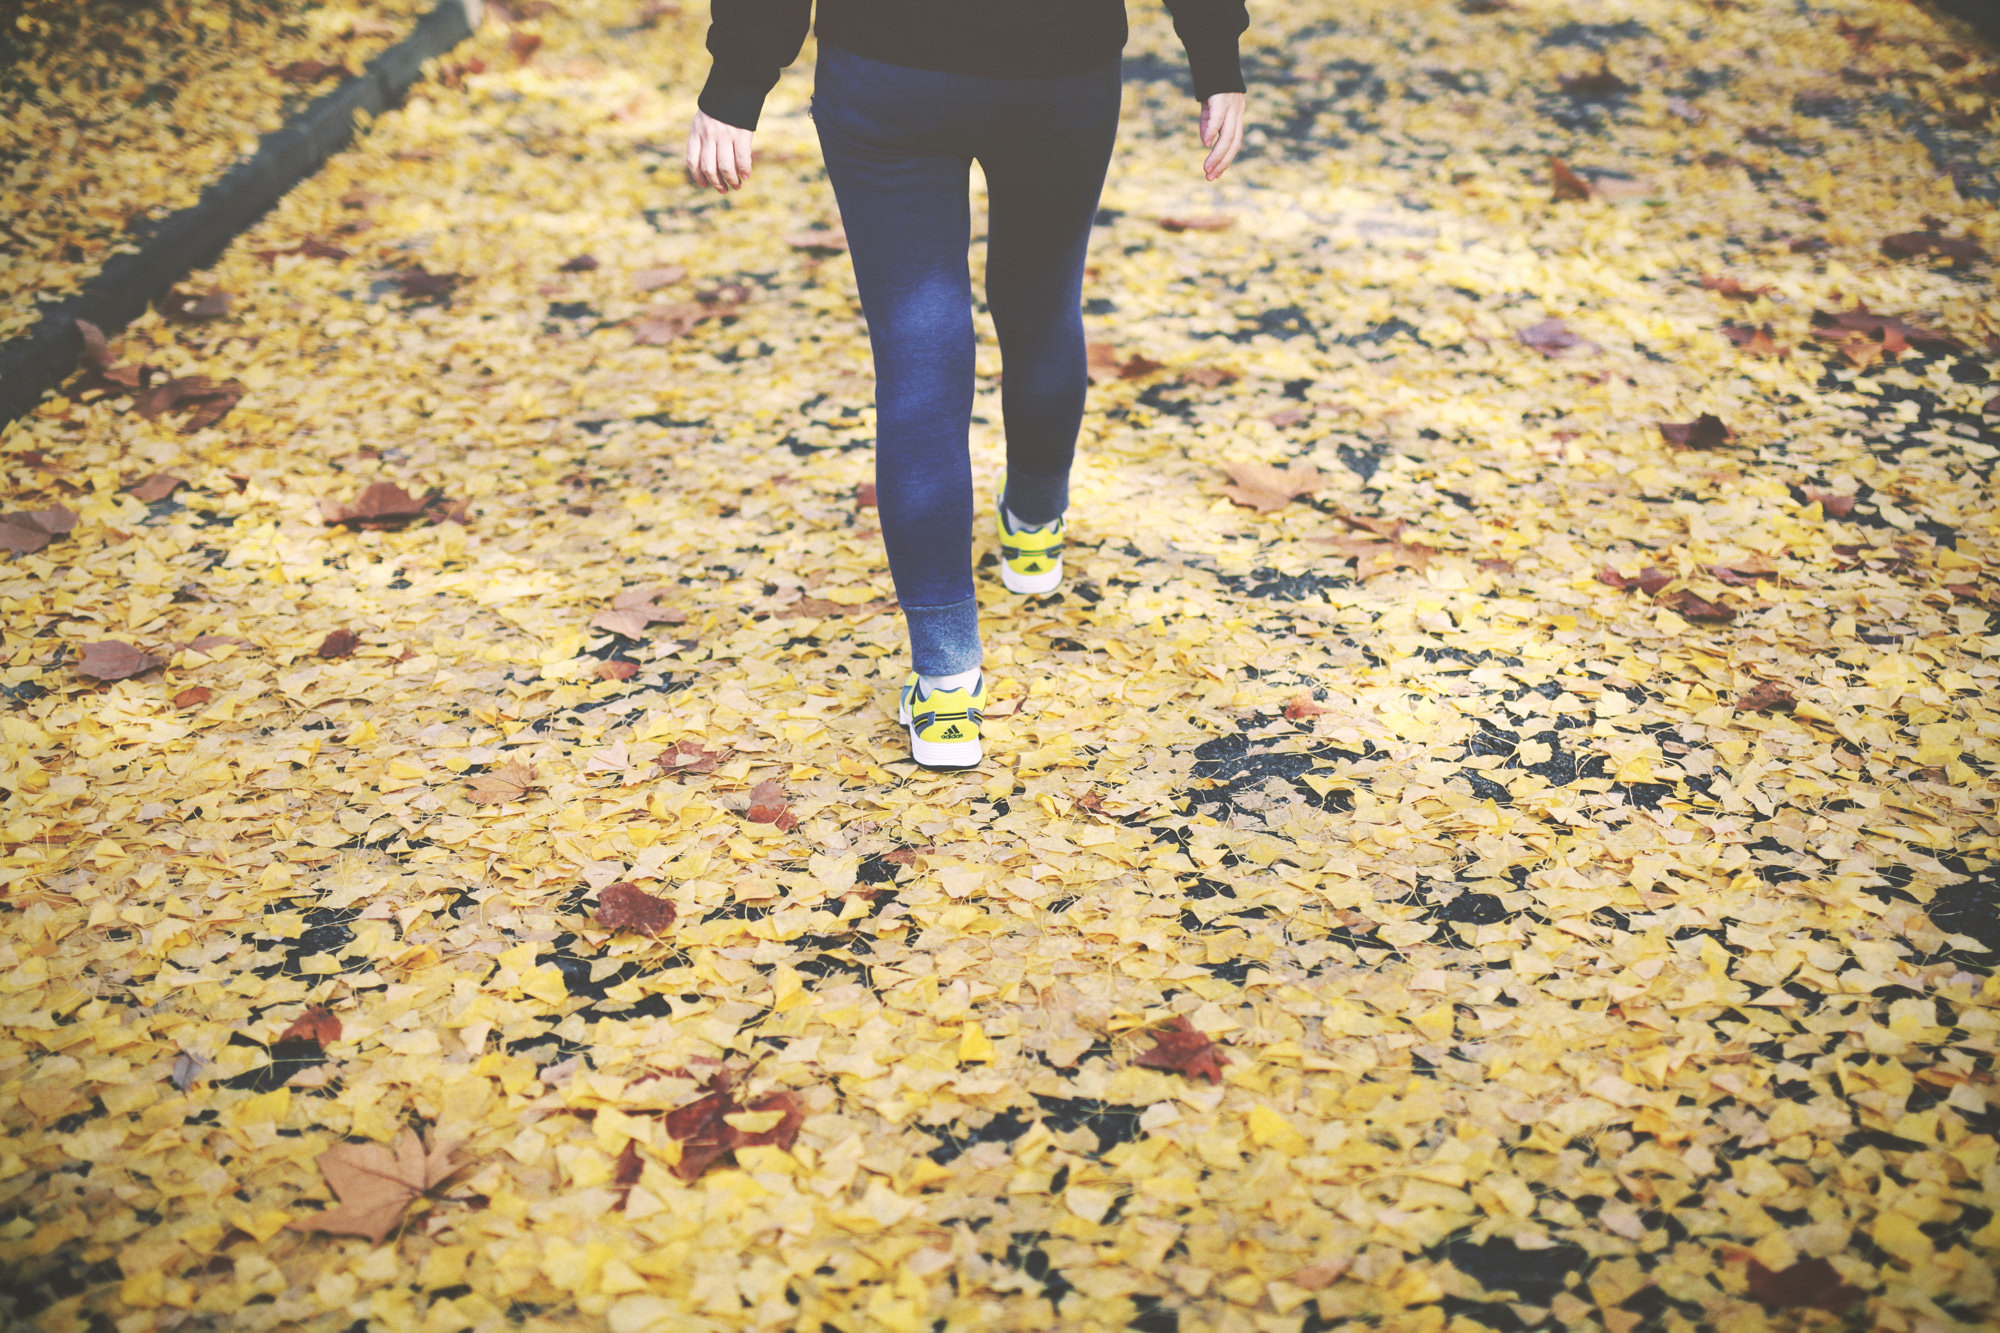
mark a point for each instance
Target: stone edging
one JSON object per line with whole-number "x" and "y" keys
{"x": 42, "y": 358}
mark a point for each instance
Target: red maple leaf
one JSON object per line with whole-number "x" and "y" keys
{"x": 623, "y": 906}
{"x": 1179, "y": 1049}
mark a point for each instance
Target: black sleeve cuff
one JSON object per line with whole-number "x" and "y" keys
{"x": 733, "y": 99}
{"x": 1217, "y": 67}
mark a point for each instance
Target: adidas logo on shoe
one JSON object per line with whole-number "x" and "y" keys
{"x": 946, "y": 733}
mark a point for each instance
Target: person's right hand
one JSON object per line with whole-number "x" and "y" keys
{"x": 718, "y": 154}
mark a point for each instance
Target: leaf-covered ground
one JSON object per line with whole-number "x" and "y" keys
{"x": 114, "y": 113}
{"x": 1457, "y": 854}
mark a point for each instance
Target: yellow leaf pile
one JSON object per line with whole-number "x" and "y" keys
{"x": 1369, "y": 913}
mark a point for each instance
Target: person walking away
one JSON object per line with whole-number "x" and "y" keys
{"x": 908, "y": 93}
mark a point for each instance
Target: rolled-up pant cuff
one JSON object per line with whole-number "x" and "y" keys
{"x": 1034, "y": 500}
{"x": 944, "y": 640}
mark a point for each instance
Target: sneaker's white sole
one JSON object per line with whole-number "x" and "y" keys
{"x": 939, "y": 754}
{"x": 944, "y": 754}
{"x": 1031, "y": 583}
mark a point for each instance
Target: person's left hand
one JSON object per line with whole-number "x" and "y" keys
{"x": 1221, "y": 131}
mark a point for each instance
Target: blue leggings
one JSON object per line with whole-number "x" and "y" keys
{"x": 899, "y": 145}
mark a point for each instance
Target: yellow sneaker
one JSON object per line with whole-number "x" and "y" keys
{"x": 1030, "y": 558}
{"x": 944, "y": 724}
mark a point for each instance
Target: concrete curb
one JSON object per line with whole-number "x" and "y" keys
{"x": 41, "y": 359}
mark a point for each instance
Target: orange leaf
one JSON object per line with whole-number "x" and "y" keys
{"x": 1566, "y": 184}
{"x": 316, "y": 1024}
{"x": 767, "y": 806}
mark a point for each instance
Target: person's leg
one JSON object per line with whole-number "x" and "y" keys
{"x": 903, "y": 201}
{"x": 1044, "y": 175}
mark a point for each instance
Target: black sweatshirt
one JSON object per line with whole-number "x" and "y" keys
{"x": 753, "y": 40}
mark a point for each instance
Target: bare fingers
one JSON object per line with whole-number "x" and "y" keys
{"x": 1222, "y": 131}
{"x": 718, "y": 155}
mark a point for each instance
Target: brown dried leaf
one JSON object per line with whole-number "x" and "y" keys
{"x": 524, "y": 45}
{"x": 1810, "y": 1284}
{"x": 193, "y": 697}
{"x": 156, "y": 487}
{"x": 510, "y": 782}
{"x": 1386, "y": 528}
{"x": 339, "y": 643}
{"x": 1564, "y": 183}
{"x": 1744, "y": 573}
{"x": 1856, "y": 324}
{"x": 625, "y": 1172}
{"x": 1831, "y": 504}
{"x": 1706, "y": 431}
{"x": 1731, "y": 288}
{"x": 109, "y": 659}
{"x": 1649, "y": 581}
{"x": 312, "y": 247}
{"x": 211, "y": 400}
{"x": 864, "y": 498}
{"x": 419, "y": 284}
{"x": 821, "y": 608}
{"x": 376, "y": 1186}
{"x": 1103, "y": 363}
{"x": 1599, "y": 83}
{"x": 308, "y": 71}
{"x": 578, "y": 264}
{"x": 727, "y": 295}
{"x": 317, "y": 1024}
{"x": 1917, "y": 244}
{"x": 617, "y": 670}
{"x": 1769, "y": 696}
{"x": 1179, "y": 1049}
{"x": 625, "y": 624}
{"x": 1551, "y": 337}
{"x": 767, "y": 806}
{"x": 646, "y": 602}
{"x": 690, "y": 757}
{"x": 1199, "y": 222}
{"x": 657, "y": 328}
{"x": 1302, "y": 706}
{"x": 1699, "y": 609}
{"x": 1374, "y": 557}
{"x": 791, "y": 1116}
{"x": 382, "y": 503}
{"x": 1756, "y": 341}
{"x": 29, "y": 531}
{"x": 1322, "y": 1273}
{"x": 623, "y": 906}
{"x": 1264, "y": 488}
{"x": 1209, "y": 377}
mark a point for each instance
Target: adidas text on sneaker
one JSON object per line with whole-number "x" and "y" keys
{"x": 943, "y": 724}
{"x": 1031, "y": 559}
